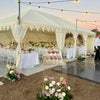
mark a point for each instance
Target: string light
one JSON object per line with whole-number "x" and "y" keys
{"x": 61, "y": 1}
{"x": 17, "y": 2}
{"x": 76, "y": 1}
{"x": 62, "y": 10}
{"x": 39, "y": 7}
{"x": 86, "y": 13}
{"x": 30, "y": 3}
{"x": 74, "y": 11}
{"x": 48, "y": 3}
{"x": 88, "y": 21}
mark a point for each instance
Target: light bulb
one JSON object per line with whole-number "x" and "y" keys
{"x": 39, "y": 7}
{"x": 30, "y": 3}
{"x": 48, "y": 3}
{"x": 76, "y": 1}
{"x": 86, "y": 13}
{"x": 62, "y": 10}
{"x": 17, "y": 2}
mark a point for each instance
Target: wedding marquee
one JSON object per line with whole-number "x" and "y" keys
{"x": 43, "y": 23}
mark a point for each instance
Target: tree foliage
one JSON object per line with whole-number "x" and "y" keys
{"x": 96, "y": 31}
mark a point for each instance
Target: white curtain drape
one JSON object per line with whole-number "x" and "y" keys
{"x": 60, "y": 38}
{"x": 18, "y": 34}
{"x": 85, "y": 43}
{"x": 75, "y": 44}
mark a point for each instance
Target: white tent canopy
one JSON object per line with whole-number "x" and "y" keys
{"x": 33, "y": 17}
{"x": 42, "y": 21}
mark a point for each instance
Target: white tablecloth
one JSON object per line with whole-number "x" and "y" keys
{"x": 81, "y": 50}
{"x": 70, "y": 53}
{"x": 30, "y": 60}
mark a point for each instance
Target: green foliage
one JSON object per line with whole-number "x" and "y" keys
{"x": 68, "y": 96}
{"x": 96, "y": 31}
{"x": 80, "y": 58}
{"x": 13, "y": 74}
{"x": 55, "y": 90}
{"x": 12, "y": 77}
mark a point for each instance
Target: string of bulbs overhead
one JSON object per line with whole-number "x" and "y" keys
{"x": 95, "y": 21}
{"x": 62, "y": 10}
{"x": 76, "y": 1}
{"x": 89, "y": 22}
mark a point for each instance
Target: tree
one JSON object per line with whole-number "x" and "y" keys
{"x": 96, "y": 31}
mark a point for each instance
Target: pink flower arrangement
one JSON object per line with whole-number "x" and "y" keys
{"x": 7, "y": 47}
{"x": 53, "y": 90}
{"x": 56, "y": 94}
{"x": 48, "y": 94}
{"x": 13, "y": 73}
{"x": 45, "y": 79}
{"x": 12, "y": 67}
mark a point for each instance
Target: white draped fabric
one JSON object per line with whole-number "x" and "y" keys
{"x": 30, "y": 60}
{"x": 75, "y": 39}
{"x": 18, "y": 34}
{"x": 81, "y": 50}
{"x": 60, "y": 38}
{"x": 85, "y": 44}
{"x": 70, "y": 53}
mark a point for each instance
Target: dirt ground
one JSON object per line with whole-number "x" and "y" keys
{"x": 28, "y": 87}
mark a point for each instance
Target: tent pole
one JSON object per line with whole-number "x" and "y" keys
{"x": 19, "y": 13}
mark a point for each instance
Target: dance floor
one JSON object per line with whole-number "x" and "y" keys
{"x": 87, "y": 69}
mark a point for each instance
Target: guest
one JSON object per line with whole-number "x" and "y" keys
{"x": 97, "y": 48}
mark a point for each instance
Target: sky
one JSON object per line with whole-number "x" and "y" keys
{"x": 10, "y": 7}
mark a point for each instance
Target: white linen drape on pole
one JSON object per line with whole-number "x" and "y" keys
{"x": 60, "y": 38}
{"x": 85, "y": 43}
{"x": 75, "y": 44}
{"x": 18, "y": 34}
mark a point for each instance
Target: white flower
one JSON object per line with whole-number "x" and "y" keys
{"x": 11, "y": 72}
{"x": 60, "y": 96}
{"x": 51, "y": 85}
{"x": 8, "y": 66}
{"x": 63, "y": 94}
{"x": 53, "y": 82}
{"x": 68, "y": 88}
{"x": 58, "y": 83}
{"x": 46, "y": 87}
{"x": 52, "y": 90}
{"x": 58, "y": 90}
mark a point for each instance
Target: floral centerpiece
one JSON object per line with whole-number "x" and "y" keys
{"x": 36, "y": 45}
{"x": 13, "y": 74}
{"x": 31, "y": 48}
{"x": 42, "y": 45}
{"x": 1, "y": 45}
{"x": 53, "y": 90}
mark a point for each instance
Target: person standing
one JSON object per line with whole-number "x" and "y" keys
{"x": 97, "y": 48}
